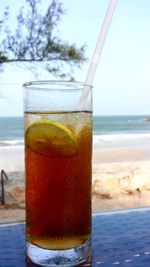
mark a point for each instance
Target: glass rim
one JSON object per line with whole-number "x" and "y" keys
{"x": 47, "y": 85}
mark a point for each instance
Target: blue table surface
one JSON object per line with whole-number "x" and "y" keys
{"x": 119, "y": 238}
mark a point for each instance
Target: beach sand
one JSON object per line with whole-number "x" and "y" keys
{"x": 120, "y": 179}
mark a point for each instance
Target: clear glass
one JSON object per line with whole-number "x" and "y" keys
{"x": 58, "y": 164}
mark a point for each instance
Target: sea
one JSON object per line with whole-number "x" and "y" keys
{"x": 108, "y": 131}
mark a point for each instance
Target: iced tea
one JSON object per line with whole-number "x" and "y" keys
{"x": 58, "y": 179}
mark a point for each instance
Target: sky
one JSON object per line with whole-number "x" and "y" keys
{"x": 121, "y": 85}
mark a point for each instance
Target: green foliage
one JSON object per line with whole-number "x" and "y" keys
{"x": 35, "y": 40}
{"x": 3, "y": 57}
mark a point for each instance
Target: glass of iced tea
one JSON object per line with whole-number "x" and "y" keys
{"x": 58, "y": 166}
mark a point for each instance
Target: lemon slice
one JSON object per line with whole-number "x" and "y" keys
{"x": 51, "y": 139}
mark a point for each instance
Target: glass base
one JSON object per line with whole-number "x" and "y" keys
{"x": 65, "y": 258}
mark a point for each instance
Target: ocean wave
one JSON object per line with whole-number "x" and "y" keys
{"x": 116, "y": 140}
{"x": 6, "y": 143}
{"x": 100, "y": 141}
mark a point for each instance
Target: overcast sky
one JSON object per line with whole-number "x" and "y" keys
{"x": 122, "y": 79}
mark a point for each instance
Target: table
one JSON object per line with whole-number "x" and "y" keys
{"x": 120, "y": 238}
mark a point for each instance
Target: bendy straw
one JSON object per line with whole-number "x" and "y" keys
{"x": 99, "y": 46}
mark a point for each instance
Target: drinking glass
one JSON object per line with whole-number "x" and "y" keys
{"x": 58, "y": 151}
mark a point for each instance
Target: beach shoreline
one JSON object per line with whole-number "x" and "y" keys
{"x": 120, "y": 180}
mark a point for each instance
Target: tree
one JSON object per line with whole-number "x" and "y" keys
{"x": 3, "y": 57}
{"x": 35, "y": 40}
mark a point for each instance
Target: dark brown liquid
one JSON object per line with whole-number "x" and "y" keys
{"x": 58, "y": 196}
